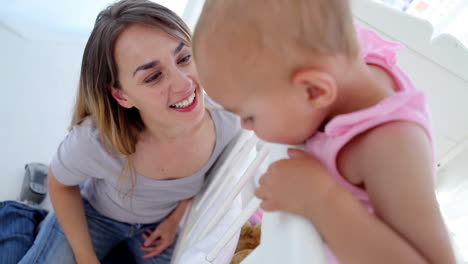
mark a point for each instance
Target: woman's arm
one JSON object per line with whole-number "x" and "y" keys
{"x": 179, "y": 212}
{"x": 69, "y": 209}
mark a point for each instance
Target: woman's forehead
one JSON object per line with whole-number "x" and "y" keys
{"x": 139, "y": 41}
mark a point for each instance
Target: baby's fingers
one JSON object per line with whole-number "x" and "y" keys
{"x": 297, "y": 153}
{"x": 268, "y": 206}
{"x": 262, "y": 193}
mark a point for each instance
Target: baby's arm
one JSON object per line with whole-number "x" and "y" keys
{"x": 395, "y": 164}
{"x": 301, "y": 185}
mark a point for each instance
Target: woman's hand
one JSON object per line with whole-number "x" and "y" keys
{"x": 157, "y": 240}
{"x": 296, "y": 185}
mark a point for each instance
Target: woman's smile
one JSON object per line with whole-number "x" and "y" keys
{"x": 187, "y": 104}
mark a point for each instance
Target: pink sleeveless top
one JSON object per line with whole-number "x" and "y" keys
{"x": 407, "y": 104}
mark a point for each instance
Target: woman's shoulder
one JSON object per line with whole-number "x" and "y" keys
{"x": 227, "y": 124}
{"x": 84, "y": 137}
{"x": 80, "y": 155}
{"x": 87, "y": 128}
{"x": 220, "y": 116}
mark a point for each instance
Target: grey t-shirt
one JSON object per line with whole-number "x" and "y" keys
{"x": 82, "y": 159}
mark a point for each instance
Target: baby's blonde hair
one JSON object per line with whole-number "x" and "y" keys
{"x": 320, "y": 27}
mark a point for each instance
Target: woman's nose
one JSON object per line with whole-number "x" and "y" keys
{"x": 182, "y": 81}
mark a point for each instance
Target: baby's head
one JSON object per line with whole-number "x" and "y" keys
{"x": 275, "y": 63}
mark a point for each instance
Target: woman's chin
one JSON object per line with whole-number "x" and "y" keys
{"x": 199, "y": 111}
{"x": 193, "y": 113}
{"x": 197, "y": 114}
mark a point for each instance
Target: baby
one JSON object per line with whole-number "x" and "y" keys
{"x": 299, "y": 71}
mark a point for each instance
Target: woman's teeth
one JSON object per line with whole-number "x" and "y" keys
{"x": 185, "y": 103}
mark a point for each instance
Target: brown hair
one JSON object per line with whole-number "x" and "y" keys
{"x": 119, "y": 127}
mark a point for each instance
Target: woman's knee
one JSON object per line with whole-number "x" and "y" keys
{"x": 50, "y": 246}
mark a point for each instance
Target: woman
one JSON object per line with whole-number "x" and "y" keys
{"x": 140, "y": 143}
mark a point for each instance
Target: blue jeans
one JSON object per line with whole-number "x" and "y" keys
{"x": 51, "y": 245}
{"x": 19, "y": 223}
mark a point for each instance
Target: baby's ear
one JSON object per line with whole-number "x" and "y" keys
{"x": 319, "y": 87}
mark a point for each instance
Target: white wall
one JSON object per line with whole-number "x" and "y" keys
{"x": 40, "y": 58}
{"x": 452, "y": 192}
{"x": 38, "y": 86}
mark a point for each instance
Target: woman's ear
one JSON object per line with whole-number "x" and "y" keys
{"x": 120, "y": 97}
{"x": 319, "y": 87}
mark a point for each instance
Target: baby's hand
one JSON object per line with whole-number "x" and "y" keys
{"x": 296, "y": 185}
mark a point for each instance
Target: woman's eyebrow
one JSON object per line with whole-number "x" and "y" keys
{"x": 179, "y": 48}
{"x": 146, "y": 66}
{"x": 154, "y": 63}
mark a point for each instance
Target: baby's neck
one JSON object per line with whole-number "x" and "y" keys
{"x": 363, "y": 87}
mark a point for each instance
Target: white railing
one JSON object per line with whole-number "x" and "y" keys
{"x": 212, "y": 224}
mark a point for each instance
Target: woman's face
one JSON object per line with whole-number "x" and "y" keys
{"x": 158, "y": 77}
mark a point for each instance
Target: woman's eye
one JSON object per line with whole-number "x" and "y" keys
{"x": 185, "y": 59}
{"x": 153, "y": 77}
